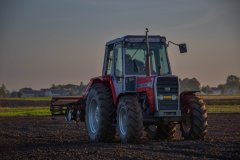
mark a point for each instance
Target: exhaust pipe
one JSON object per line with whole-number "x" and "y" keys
{"x": 148, "y": 68}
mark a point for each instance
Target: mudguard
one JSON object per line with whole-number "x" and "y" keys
{"x": 185, "y": 96}
{"x": 106, "y": 80}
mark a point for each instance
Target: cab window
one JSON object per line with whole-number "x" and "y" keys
{"x": 118, "y": 61}
{"x": 108, "y": 61}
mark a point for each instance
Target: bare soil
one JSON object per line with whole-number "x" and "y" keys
{"x": 43, "y": 138}
{"x": 20, "y": 103}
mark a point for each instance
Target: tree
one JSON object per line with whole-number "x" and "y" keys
{"x": 15, "y": 94}
{"x": 3, "y": 91}
{"x": 190, "y": 84}
{"x": 221, "y": 87}
{"x": 232, "y": 85}
{"x": 233, "y": 80}
{"x": 206, "y": 89}
{"x": 53, "y": 86}
{"x": 195, "y": 84}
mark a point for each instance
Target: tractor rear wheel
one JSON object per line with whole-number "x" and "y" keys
{"x": 129, "y": 119}
{"x": 100, "y": 115}
{"x": 194, "y": 122}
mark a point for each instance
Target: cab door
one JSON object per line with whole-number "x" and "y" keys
{"x": 118, "y": 68}
{"x": 108, "y": 61}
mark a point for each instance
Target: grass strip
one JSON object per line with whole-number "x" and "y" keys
{"x": 24, "y": 111}
{"x": 223, "y": 108}
{"x": 45, "y": 111}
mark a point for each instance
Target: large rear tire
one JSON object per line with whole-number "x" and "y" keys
{"x": 194, "y": 122}
{"x": 100, "y": 114}
{"x": 129, "y": 119}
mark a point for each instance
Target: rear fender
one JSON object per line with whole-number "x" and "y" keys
{"x": 125, "y": 94}
{"x": 186, "y": 97}
{"x": 105, "y": 80}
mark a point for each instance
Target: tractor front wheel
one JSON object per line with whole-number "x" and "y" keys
{"x": 129, "y": 119}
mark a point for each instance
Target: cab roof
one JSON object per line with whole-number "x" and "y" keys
{"x": 137, "y": 38}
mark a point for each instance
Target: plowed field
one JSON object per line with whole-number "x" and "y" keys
{"x": 43, "y": 138}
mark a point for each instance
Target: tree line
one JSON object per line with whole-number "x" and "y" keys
{"x": 68, "y": 89}
{"x": 231, "y": 86}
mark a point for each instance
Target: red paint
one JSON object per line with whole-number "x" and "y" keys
{"x": 113, "y": 92}
{"x": 106, "y": 80}
{"x": 149, "y": 91}
{"x": 141, "y": 80}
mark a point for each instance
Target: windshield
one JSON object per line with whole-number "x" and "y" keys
{"x": 135, "y": 59}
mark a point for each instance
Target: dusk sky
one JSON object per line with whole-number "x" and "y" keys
{"x": 62, "y": 41}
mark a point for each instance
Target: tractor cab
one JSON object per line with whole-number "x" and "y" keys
{"x": 133, "y": 58}
{"x": 140, "y": 64}
{"x": 125, "y": 59}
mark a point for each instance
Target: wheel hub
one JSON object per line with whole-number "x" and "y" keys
{"x": 93, "y": 116}
{"x": 68, "y": 115}
{"x": 123, "y": 121}
{"x": 97, "y": 114}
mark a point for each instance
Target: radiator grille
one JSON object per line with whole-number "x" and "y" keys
{"x": 167, "y": 87}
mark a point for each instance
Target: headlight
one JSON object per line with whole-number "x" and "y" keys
{"x": 174, "y": 97}
{"x": 160, "y": 97}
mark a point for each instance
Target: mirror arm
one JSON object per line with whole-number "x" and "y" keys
{"x": 172, "y": 43}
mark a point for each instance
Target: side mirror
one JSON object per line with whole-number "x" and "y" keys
{"x": 183, "y": 48}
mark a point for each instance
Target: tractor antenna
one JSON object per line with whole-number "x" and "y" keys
{"x": 148, "y": 70}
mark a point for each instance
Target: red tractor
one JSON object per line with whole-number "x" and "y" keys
{"x": 136, "y": 92}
